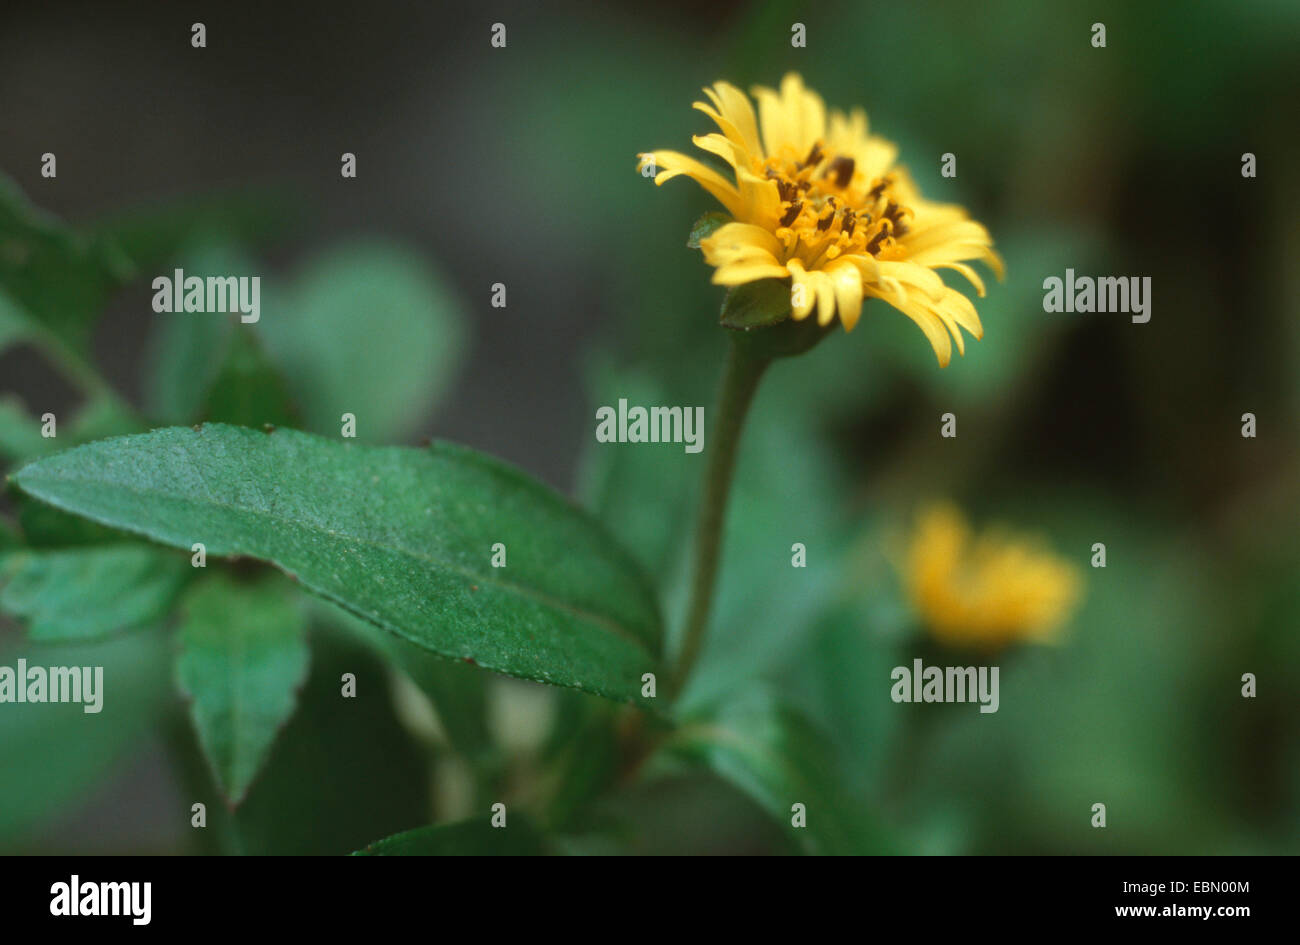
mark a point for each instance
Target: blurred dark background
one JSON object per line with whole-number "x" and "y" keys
{"x": 511, "y": 166}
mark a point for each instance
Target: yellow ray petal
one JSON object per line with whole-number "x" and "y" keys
{"x": 971, "y": 275}
{"x": 825, "y": 289}
{"x": 910, "y": 274}
{"x": 742, "y": 272}
{"x": 793, "y": 118}
{"x": 847, "y": 280}
{"x": 803, "y": 290}
{"x": 734, "y": 108}
{"x": 670, "y": 164}
{"x": 723, "y": 147}
{"x": 731, "y": 237}
{"x": 916, "y": 309}
{"x": 962, "y": 311}
{"x": 760, "y": 200}
{"x": 807, "y": 109}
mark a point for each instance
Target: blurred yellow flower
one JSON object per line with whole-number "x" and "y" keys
{"x": 820, "y": 201}
{"x": 986, "y": 590}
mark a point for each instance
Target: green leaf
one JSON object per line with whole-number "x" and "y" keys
{"x": 53, "y": 755}
{"x": 188, "y": 350}
{"x": 645, "y": 496}
{"x": 243, "y": 658}
{"x": 86, "y": 594}
{"x": 342, "y": 772}
{"x": 757, "y": 304}
{"x": 369, "y": 330}
{"x": 184, "y": 360}
{"x": 706, "y": 226}
{"x": 99, "y": 417}
{"x": 835, "y": 676}
{"x": 248, "y": 391}
{"x": 457, "y": 691}
{"x": 44, "y": 526}
{"x": 57, "y": 276}
{"x": 20, "y": 433}
{"x": 776, "y": 757}
{"x": 789, "y": 487}
{"x": 15, "y": 325}
{"x": 402, "y": 537}
{"x": 583, "y": 758}
{"x": 467, "y": 838}
{"x": 102, "y": 416}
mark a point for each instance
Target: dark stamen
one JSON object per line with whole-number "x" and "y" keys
{"x": 874, "y": 246}
{"x": 792, "y": 214}
{"x": 842, "y": 168}
{"x": 814, "y": 156}
{"x": 894, "y": 213}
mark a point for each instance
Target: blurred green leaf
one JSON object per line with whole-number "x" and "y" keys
{"x": 187, "y": 350}
{"x": 402, "y": 537}
{"x": 248, "y": 391}
{"x": 44, "y": 526}
{"x": 644, "y": 496}
{"x": 368, "y": 329}
{"x": 53, "y": 755}
{"x": 674, "y": 808}
{"x": 835, "y": 679}
{"x": 457, "y": 690}
{"x": 788, "y": 490}
{"x": 776, "y": 757}
{"x": 343, "y": 771}
{"x": 14, "y": 323}
{"x": 20, "y": 432}
{"x": 468, "y": 838}
{"x": 582, "y": 754}
{"x": 243, "y": 657}
{"x": 59, "y": 275}
{"x": 83, "y": 594}
{"x": 99, "y": 417}
{"x": 1103, "y": 717}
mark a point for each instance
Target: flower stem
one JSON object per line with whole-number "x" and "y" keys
{"x": 739, "y": 382}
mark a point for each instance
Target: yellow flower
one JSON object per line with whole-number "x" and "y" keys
{"x": 820, "y": 201}
{"x": 986, "y": 590}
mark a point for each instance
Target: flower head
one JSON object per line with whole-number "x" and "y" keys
{"x": 986, "y": 590}
{"x": 819, "y": 201}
